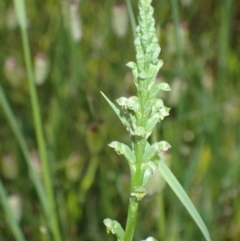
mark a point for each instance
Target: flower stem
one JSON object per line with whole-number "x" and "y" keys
{"x": 131, "y": 219}
{"x": 136, "y": 180}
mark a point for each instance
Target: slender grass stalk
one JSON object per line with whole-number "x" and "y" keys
{"x": 131, "y": 220}
{"x": 21, "y": 16}
{"x": 132, "y": 18}
{"x": 73, "y": 44}
{"x": 17, "y": 232}
{"x": 175, "y": 16}
{"x": 179, "y": 52}
{"x": 33, "y": 174}
{"x": 161, "y": 219}
{"x": 225, "y": 16}
{"x": 40, "y": 137}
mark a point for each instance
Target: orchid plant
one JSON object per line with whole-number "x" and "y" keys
{"x": 140, "y": 114}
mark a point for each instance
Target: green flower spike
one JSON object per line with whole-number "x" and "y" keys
{"x": 140, "y": 114}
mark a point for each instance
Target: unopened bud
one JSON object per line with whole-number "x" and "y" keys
{"x": 183, "y": 34}
{"x": 35, "y": 160}
{"x": 186, "y": 3}
{"x": 9, "y": 167}
{"x": 178, "y": 86}
{"x": 11, "y": 21}
{"x": 75, "y": 21}
{"x": 74, "y": 166}
{"x": 13, "y": 72}
{"x": 120, "y": 19}
{"x": 15, "y": 204}
{"x": 41, "y": 68}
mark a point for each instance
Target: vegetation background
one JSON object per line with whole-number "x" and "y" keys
{"x": 81, "y": 47}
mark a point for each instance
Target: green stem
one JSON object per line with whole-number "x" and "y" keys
{"x": 39, "y": 136}
{"x": 131, "y": 219}
{"x": 175, "y": 16}
{"x": 225, "y": 17}
{"x": 161, "y": 219}
{"x": 179, "y": 51}
{"x": 132, "y": 18}
{"x": 136, "y": 180}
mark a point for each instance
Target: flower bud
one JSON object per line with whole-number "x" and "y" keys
{"x": 35, "y": 160}
{"x": 207, "y": 79}
{"x": 94, "y": 139}
{"x": 64, "y": 10}
{"x": 11, "y": 21}
{"x": 188, "y": 136}
{"x": 9, "y": 167}
{"x": 41, "y": 68}
{"x": 178, "y": 88}
{"x": 186, "y": 3}
{"x": 74, "y": 166}
{"x": 72, "y": 19}
{"x": 75, "y": 21}
{"x": 13, "y": 72}
{"x": 183, "y": 37}
{"x": 120, "y": 19}
{"x": 15, "y": 203}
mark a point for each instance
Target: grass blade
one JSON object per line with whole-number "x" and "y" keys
{"x": 181, "y": 194}
{"x": 33, "y": 174}
{"x": 116, "y": 110}
{"x": 131, "y": 16}
{"x": 21, "y": 13}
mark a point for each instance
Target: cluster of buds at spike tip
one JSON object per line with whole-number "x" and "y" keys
{"x": 147, "y": 107}
{"x": 141, "y": 113}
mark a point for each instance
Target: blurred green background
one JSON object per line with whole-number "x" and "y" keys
{"x": 81, "y": 47}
